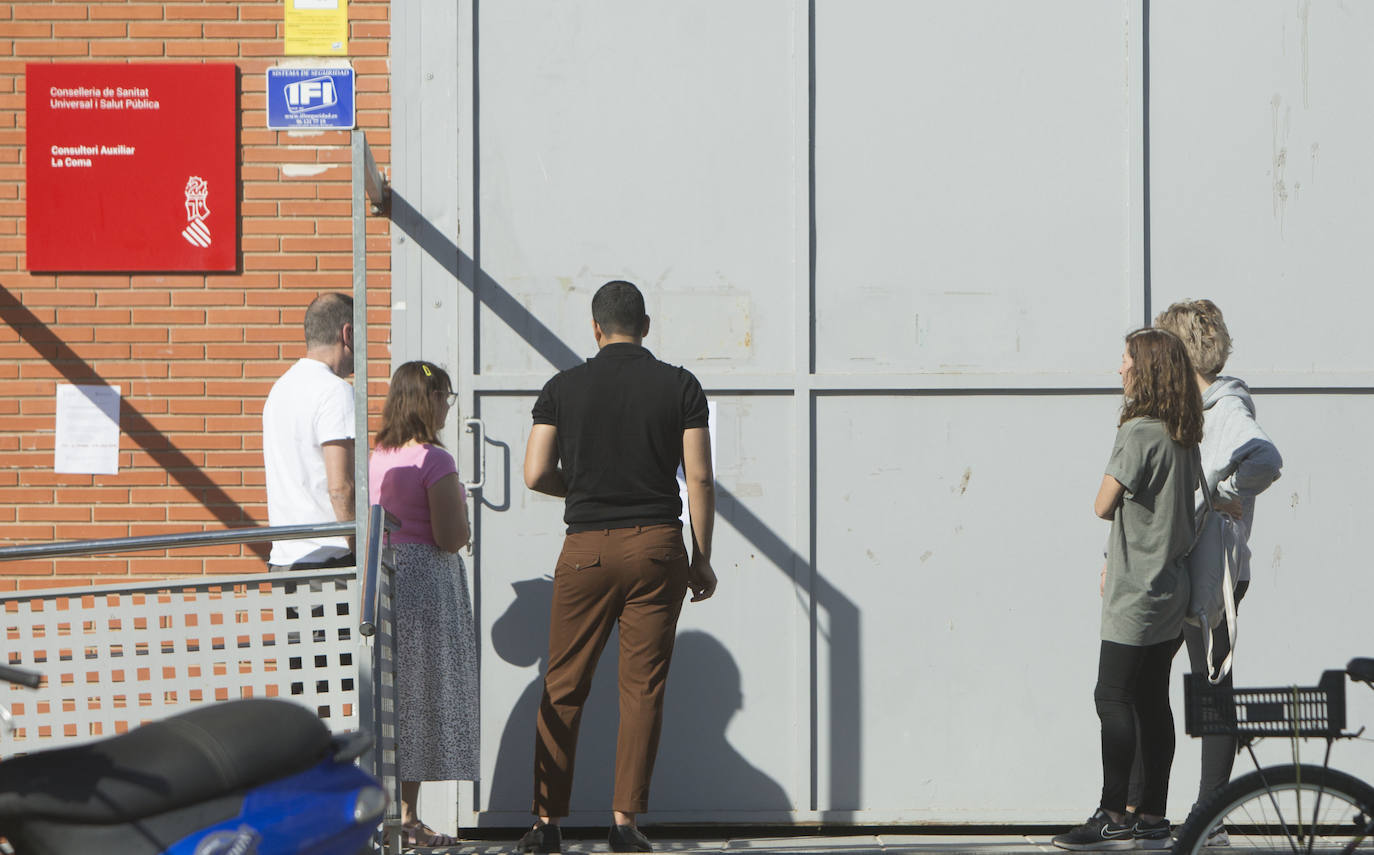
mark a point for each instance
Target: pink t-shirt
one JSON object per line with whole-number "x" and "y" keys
{"x": 399, "y": 480}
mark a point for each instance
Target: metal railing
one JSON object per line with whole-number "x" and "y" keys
{"x": 173, "y": 541}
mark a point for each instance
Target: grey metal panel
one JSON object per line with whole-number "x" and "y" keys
{"x": 425, "y": 290}
{"x": 640, "y": 140}
{"x": 962, "y": 529}
{"x": 972, "y": 552}
{"x": 1261, "y": 178}
{"x": 738, "y": 713}
{"x": 441, "y": 291}
{"x": 407, "y": 170}
{"x": 735, "y": 729}
{"x": 518, "y": 537}
{"x": 972, "y": 192}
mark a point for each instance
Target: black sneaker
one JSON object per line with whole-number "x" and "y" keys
{"x": 1152, "y": 835}
{"x": 627, "y": 838}
{"x": 1098, "y": 834}
{"x": 543, "y": 838}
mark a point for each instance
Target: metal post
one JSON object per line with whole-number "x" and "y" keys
{"x": 360, "y": 443}
{"x": 376, "y": 684}
{"x": 369, "y": 688}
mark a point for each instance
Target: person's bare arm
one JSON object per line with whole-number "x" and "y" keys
{"x": 448, "y": 514}
{"x": 541, "y": 462}
{"x": 338, "y": 473}
{"x": 701, "y": 509}
{"x": 1108, "y": 497}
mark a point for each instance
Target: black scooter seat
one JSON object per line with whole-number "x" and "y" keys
{"x": 191, "y": 757}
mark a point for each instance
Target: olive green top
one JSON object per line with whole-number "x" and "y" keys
{"x": 1147, "y": 589}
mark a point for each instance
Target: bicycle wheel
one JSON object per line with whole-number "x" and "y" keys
{"x": 1295, "y": 810}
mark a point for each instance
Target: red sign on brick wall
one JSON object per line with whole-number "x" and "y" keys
{"x": 132, "y": 167}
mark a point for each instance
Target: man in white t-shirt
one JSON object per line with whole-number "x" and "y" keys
{"x": 307, "y": 440}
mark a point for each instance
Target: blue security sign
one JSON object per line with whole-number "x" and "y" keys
{"x": 314, "y": 98}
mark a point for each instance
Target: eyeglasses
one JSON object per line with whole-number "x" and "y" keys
{"x": 451, "y": 398}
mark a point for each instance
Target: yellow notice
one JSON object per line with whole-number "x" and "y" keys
{"x": 316, "y": 28}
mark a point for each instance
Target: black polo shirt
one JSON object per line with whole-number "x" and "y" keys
{"x": 619, "y": 419}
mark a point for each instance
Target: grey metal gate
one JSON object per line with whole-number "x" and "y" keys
{"x": 900, "y": 244}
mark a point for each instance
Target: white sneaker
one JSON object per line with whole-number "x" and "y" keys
{"x": 1218, "y": 837}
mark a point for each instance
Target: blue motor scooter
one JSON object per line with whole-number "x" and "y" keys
{"x": 246, "y": 777}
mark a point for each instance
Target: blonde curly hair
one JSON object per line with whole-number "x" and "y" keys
{"x": 1198, "y": 323}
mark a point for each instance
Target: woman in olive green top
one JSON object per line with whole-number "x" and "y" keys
{"x": 1147, "y": 493}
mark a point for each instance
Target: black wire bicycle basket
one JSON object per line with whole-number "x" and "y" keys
{"x": 1293, "y": 711}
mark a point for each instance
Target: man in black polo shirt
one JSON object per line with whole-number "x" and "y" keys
{"x": 608, "y": 435}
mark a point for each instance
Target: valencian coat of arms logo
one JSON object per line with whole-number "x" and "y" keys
{"x": 196, "y": 232}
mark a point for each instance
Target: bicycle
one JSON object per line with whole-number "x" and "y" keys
{"x": 1298, "y": 808}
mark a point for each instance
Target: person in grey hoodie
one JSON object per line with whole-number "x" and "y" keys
{"x": 1239, "y": 462}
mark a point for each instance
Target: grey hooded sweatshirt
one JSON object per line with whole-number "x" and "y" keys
{"x": 1238, "y": 458}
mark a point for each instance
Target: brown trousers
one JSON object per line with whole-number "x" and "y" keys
{"x": 636, "y": 577}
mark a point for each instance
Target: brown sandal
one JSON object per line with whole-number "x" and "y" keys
{"x": 422, "y": 836}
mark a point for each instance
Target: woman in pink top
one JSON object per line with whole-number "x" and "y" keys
{"x": 414, "y": 478}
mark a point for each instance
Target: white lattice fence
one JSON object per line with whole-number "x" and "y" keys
{"x": 117, "y": 656}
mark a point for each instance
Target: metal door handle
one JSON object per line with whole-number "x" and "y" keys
{"x": 478, "y": 427}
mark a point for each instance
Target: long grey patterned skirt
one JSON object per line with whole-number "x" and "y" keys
{"x": 436, "y": 667}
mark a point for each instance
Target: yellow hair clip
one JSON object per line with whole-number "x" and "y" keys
{"x": 425, "y": 368}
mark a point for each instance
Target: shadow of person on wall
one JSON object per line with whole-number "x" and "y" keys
{"x": 520, "y": 636}
{"x": 697, "y": 768}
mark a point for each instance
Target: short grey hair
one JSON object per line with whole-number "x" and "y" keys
{"x": 325, "y": 316}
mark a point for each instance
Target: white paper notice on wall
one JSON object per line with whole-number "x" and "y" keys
{"x": 682, "y": 479}
{"x": 87, "y": 430}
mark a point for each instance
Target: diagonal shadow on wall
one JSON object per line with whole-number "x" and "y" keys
{"x": 843, "y": 789}
{"x": 496, "y": 299}
{"x": 132, "y": 423}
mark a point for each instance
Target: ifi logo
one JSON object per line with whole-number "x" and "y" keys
{"x": 313, "y": 94}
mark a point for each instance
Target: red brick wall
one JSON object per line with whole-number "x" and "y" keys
{"x": 194, "y": 355}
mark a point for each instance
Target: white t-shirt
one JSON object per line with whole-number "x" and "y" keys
{"x": 308, "y": 406}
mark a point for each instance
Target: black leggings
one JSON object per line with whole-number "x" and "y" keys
{"x": 1218, "y": 752}
{"x": 1133, "y": 685}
